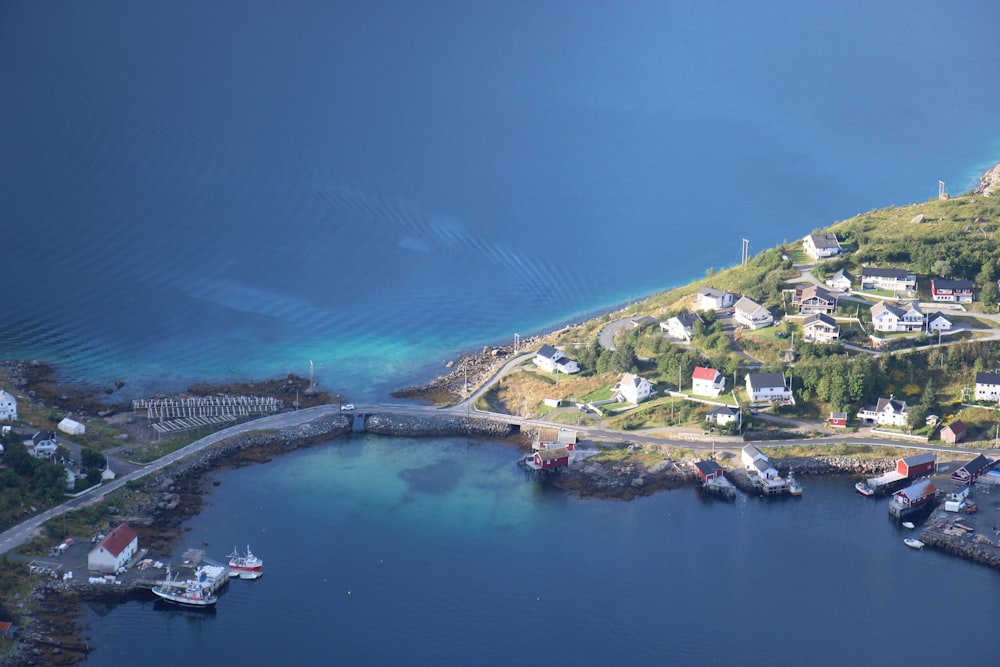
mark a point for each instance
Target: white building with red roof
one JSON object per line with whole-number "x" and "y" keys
{"x": 114, "y": 551}
{"x": 707, "y": 382}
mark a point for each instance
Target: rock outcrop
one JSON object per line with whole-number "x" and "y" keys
{"x": 989, "y": 183}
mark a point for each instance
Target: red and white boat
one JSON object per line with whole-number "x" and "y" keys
{"x": 245, "y": 565}
{"x": 864, "y": 489}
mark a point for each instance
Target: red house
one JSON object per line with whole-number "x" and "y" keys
{"x": 952, "y": 290}
{"x": 914, "y": 496}
{"x": 838, "y": 419}
{"x": 708, "y": 470}
{"x": 916, "y": 465}
{"x": 556, "y": 457}
{"x": 972, "y": 470}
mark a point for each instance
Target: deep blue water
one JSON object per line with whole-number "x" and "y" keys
{"x": 438, "y": 552}
{"x": 232, "y": 189}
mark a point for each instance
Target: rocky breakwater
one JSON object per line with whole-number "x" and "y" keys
{"x": 834, "y": 465}
{"x": 940, "y": 532}
{"x": 443, "y": 425}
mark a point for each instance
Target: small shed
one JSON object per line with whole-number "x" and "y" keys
{"x": 708, "y": 470}
{"x": 556, "y": 457}
{"x": 916, "y": 465}
{"x": 838, "y": 419}
{"x": 954, "y": 432}
{"x": 71, "y": 427}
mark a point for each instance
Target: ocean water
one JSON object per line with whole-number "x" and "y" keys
{"x": 429, "y": 552}
{"x": 232, "y": 190}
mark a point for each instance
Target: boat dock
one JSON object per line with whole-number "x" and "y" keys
{"x": 720, "y": 486}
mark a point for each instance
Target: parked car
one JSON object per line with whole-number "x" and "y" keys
{"x": 347, "y": 407}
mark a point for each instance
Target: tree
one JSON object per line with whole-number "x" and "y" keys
{"x": 941, "y": 268}
{"x": 90, "y": 458}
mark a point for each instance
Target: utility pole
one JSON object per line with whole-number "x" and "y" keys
{"x": 745, "y": 251}
{"x": 517, "y": 340}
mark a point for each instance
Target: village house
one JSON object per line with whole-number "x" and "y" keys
{"x": 634, "y": 389}
{"x": 114, "y": 551}
{"x": 8, "y": 630}
{"x": 767, "y": 387}
{"x": 707, "y": 382}
{"x": 887, "y": 412}
{"x": 840, "y": 281}
{"x": 887, "y": 317}
{"x": 751, "y": 315}
{"x": 814, "y": 299}
{"x": 822, "y": 245}
{"x": 722, "y": 415}
{"x": 838, "y": 419}
{"x": 708, "y": 470}
{"x": 709, "y": 298}
{"x": 972, "y": 470}
{"x": 8, "y": 406}
{"x": 681, "y": 327}
{"x": 954, "y": 432}
{"x": 987, "y": 386}
{"x": 820, "y": 329}
{"x": 939, "y": 322}
{"x": 756, "y": 462}
{"x": 44, "y": 444}
{"x": 893, "y": 280}
{"x": 913, "y": 496}
{"x": 960, "y": 291}
{"x": 552, "y": 360}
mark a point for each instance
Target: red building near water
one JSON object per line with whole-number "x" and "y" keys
{"x": 916, "y": 465}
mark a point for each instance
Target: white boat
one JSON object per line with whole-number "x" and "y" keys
{"x": 913, "y": 542}
{"x": 794, "y": 488}
{"x": 908, "y": 524}
{"x": 864, "y": 489}
{"x": 245, "y": 565}
{"x": 191, "y": 592}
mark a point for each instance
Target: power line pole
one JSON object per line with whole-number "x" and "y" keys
{"x": 745, "y": 251}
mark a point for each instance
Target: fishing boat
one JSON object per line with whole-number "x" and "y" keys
{"x": 794, "y": 488}
{"x": 245, "y": 565}
{"x": 191, "y": 592}
{"x": 913, "y": 542}
{"x": 864, "y": 489}
{"x": 908, "y": 524}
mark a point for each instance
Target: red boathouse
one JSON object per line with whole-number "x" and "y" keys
{"x": 916, "y": 465}
{"x": 556, "y": 457}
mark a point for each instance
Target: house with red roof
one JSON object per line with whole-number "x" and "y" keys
{"x": 707, "y": 382}
{"x": 114, "y": 551}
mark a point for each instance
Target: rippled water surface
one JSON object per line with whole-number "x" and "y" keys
{"x": 230, "y": 190}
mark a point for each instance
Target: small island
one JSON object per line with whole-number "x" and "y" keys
{"x": 856, "y": 349}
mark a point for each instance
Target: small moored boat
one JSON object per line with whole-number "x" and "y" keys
{"x": 908, "y": 524}
{"x": 245, "y": 565}
{"x": 864, "y": 489}
{"x": 190, "y": 592}
{"x": 913, "y": 542}
{"x": 794, "y": 488}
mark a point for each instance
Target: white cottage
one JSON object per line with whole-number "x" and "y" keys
{"x": 550, "y": 359}
{"x": 681, "y": 327}
{"x": 751, "y": 315}
{"x": 634, "y": 389}
{"x": 8, "y": 406}
{"x": 707, "y": 382}
{"x": 887, "y": 317}
{"x": 822, "y": 245}
{"x": 888, "y": 411}
{"x": 709, "y": 298}
{"x": 987, "y": 386}
{"x": 767, "y": 387}
{"x": 114, "y": 551}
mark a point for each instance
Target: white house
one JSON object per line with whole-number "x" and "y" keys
{"x": 822, "y": 245}
{"x": 751, "y": 315}
{"x": 840, "y": 281}
{"x": 707, "y": 382}
{"x": 550, "y": 359}
{"x": 44, "y": 444}
{"x": 767, "y": 387}
{"x": 681, "y": 327}
{"x": 939, "y": 322}
{"x": 71, "y": 427}
{"x": 888, "y": 411}
{"x": 709, "y": 298}
{"x": 114, "y": 551}
{"x": 634, "y": 389}
{"x": 755, "y": 461}
{"x": 987, "y": 386}
{"x": 887, "y": 317}
{"x": 8, "y": 406}
{"x": 962, "y": 291}
{"x": 820, "y": 329}
{"x": 722, "y": 415}
{"x": 895, "y": 280}
{"x": 814, "y": 299}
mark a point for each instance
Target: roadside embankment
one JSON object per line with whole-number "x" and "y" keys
{"x": 394, "y": 424}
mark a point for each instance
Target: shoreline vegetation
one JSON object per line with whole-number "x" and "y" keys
{"x": 159, "y": 504}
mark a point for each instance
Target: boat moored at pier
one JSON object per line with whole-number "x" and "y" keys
{"x": 245, "y": 565}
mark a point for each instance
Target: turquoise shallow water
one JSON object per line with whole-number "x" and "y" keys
{"x": 397, "y": 551}
{"x": 230, "y": 191}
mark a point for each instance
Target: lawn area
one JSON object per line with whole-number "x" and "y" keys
{"x": 797, "y": 255}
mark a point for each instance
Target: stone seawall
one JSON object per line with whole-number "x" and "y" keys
{"x": 437, "y": 426}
